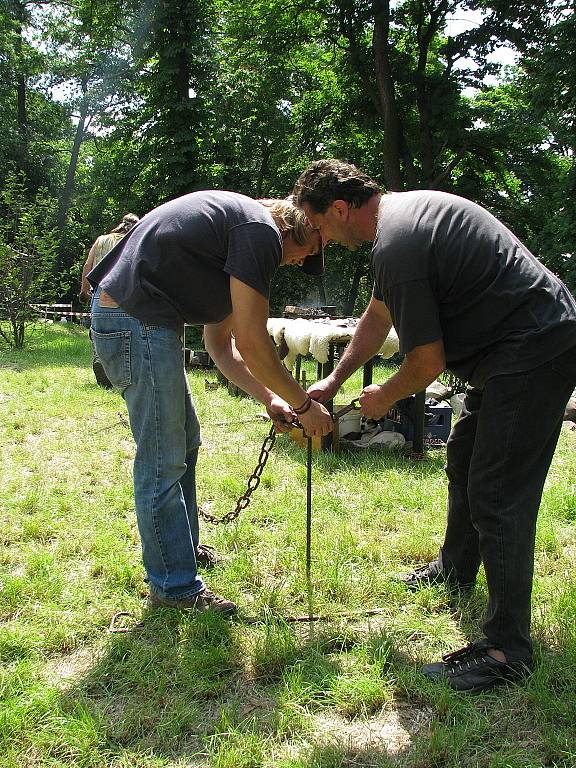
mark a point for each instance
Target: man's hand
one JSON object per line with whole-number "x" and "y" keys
{"x": 374, "y": 401}
{"x": 324, "y": 390}
{"x": 84, "y": 297}
{"x": 281, "y": 414}
{"x": 317, "y": 422}
{"x": 419, "y": 368}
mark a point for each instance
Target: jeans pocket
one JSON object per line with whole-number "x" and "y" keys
{"x": 113, "y": 350}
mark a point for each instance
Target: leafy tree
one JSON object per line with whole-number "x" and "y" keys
{"x": 547, "y": 80}
{"x": 524, "y": 165}
{"x": 28, "y": 247}
{"x": 32, "y": 122}
{"x": 90, "y": 63}
{"x": 173, "y": 96}
{"x": 174, "y": 54}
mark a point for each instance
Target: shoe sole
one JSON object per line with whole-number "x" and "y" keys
{"x": 414, "y": 586}
{"x": 488, "y": 686}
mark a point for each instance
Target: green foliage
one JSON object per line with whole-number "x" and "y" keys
{"x": 118, "y": 105}
{"x": 28, "y": 247}
{"x": 32, "y": 122}
{"x": 174, "y": 46}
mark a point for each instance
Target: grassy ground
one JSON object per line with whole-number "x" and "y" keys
{"x": 197, "y": 691}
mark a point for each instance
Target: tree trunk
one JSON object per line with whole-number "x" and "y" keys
{"x": 350, "y": 30}
{"x": 21, "y": 86}
{"x": 22, "y": 112}
{"x": 427, "y": 29}
{"x": 319, "y": 280}
{"x": 423, "y": 100}
{"x": 387, "y": 96}
{"x": 359, "y": 273}
{"x": 264, "y": 163}
{"x": 67, "y": 192}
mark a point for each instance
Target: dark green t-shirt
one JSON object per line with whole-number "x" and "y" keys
{"x": 447, "y": 269}
{"x": 174, "y": 266}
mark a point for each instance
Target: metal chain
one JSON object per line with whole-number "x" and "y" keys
{"x": 253, "y": 483}
{"x": 254, "y": 479}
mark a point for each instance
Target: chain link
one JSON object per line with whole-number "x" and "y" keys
{"x": 254, "y": 479}
{"x": 253, "y": 483}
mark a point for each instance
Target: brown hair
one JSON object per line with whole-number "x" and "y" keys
{"x": 327, "y": 180}
{"x": 128, "y": 221}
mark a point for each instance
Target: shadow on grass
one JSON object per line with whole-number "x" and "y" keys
{"x": 161, "y": 687}
{"x": 200, "y": 689}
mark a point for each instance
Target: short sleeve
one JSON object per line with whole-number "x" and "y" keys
{"x": 415, "y": 315}
{"x": 254, "y": 254}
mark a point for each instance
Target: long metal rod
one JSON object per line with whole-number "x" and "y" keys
{"x": 351, "y": 615}
{"x": 309, "y": 525}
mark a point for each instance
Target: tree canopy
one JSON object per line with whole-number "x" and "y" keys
{"x": 112, "y": 106}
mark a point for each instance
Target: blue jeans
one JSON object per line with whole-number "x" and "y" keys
{"x": 498, "y": 456}
{"x": 145, "y": 363}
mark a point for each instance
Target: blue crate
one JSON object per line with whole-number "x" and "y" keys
{"x": 437, "y": 423}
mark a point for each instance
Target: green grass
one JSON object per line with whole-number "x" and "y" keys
{"x": 187, "y": 691}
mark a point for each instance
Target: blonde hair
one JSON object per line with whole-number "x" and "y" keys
{"x": 128, "y": 221}
{"x": 289, "y": 219}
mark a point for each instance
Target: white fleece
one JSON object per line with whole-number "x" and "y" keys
{"x": 315, "y": 336}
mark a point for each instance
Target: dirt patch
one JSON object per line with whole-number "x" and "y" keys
{"x": 391, "y": 731}
{"x": 63, "y": 671}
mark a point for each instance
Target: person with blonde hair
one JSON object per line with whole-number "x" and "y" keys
{"x": 99, "y": 249}
{"x": 207, "y": 258}
{"x": 292, "y": 221}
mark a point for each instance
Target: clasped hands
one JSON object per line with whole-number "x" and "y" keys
{"x": 374, "y": 399}
{"x": 316, "y": 421}
{"x": 374, "y": 404}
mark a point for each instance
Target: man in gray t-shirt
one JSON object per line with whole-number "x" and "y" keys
{"x": 465, "y": 294}
{"x": 206, "y": 258}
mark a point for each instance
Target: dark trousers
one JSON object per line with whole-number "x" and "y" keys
{"x": 498, "y": 456}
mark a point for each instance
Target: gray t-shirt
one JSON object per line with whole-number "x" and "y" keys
{"x": 447, "y": 269}
{"x": 175, "y": 264}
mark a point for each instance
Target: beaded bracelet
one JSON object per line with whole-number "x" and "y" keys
{"x": 303, "y": 408}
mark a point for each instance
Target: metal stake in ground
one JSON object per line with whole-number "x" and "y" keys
{"x": 309, "y": 527}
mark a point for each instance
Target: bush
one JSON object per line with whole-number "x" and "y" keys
{"x": 28, "y": 246}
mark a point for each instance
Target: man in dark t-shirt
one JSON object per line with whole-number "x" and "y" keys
{"x": 205, "y": 258}
{"x": 465, "y": 294}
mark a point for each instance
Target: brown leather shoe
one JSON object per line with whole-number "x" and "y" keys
{"x": 205, "y": 600}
